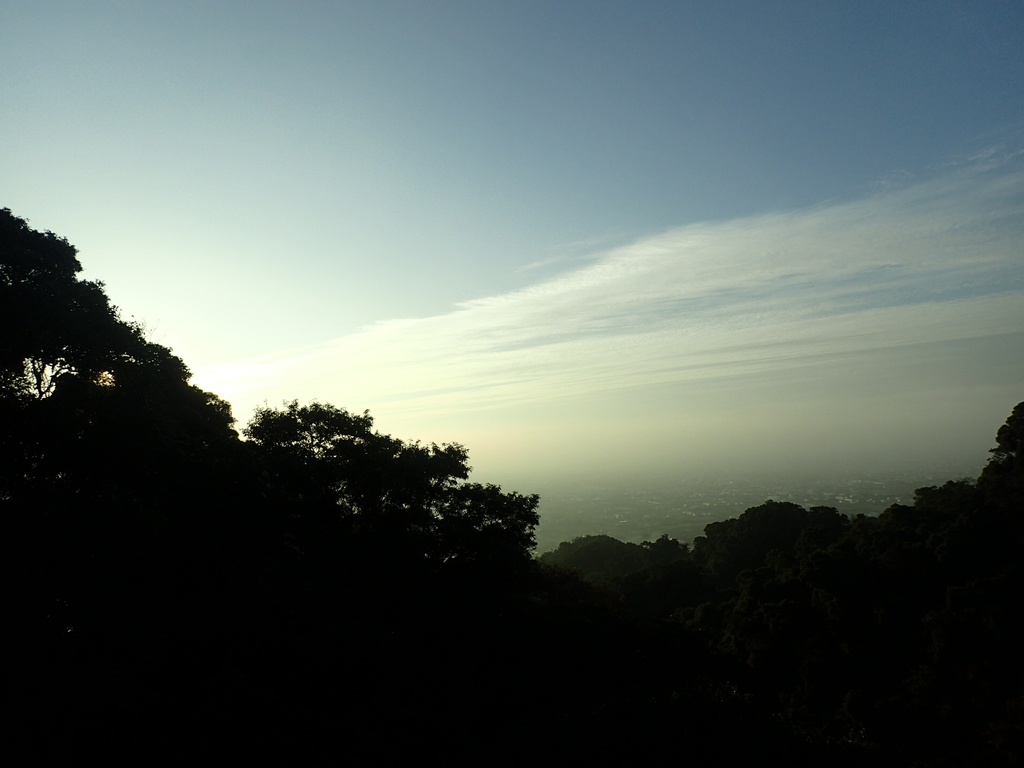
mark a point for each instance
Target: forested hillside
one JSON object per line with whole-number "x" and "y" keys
{"x": 899, "y": 634}
{"x": 304, "y": 589}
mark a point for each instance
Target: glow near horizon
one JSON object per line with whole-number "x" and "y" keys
{"x": 574, "y": 237}
{"x": 705, "y": 341}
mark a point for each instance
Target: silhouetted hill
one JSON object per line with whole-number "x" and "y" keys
{"x": 319, "y": 592}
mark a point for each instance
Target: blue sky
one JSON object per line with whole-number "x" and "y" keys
{"x": 573, "y": 236}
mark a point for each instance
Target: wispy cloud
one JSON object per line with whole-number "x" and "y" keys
{"x": 542, "y": 263}
{"x": 939, "y": 261}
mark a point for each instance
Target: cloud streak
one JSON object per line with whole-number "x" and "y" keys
{"x": 726, "y": 302}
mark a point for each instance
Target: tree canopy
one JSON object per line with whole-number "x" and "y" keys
{"x": 334, "y": 472}
{"x": 309, "y": 587}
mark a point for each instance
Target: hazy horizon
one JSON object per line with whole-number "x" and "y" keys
{"x": 618, "y": 241}
{"x": 897, "y": 347}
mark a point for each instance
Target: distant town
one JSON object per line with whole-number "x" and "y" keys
{"x": 682, "y": 507}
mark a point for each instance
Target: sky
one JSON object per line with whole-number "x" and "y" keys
{"x": 601, "y": 238}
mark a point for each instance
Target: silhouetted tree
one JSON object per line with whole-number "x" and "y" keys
{"x": 350, "y": 485}
{"x": 600, "y": 557}
{"x": 732, "y": 546}
{"x": 168, "y": 586}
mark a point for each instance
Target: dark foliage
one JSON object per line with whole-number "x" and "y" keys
{"x": 318, "y": 592}
{"x": 897, "y": 636}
